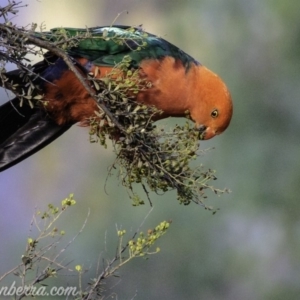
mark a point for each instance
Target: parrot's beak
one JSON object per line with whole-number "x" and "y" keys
{"x": 205, "y": 133}
{"x": 201, "y": 129}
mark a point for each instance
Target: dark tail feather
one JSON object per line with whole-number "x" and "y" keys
{"x": 24, "y": 131}
{"x": 12, "y": 117}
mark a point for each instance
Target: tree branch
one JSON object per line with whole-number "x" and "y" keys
{"x": 11, "y": 30}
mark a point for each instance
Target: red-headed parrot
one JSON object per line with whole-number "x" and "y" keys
{"x": 179, "y": 84}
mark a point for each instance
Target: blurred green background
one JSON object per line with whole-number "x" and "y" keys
{"x": 251, "y": 248}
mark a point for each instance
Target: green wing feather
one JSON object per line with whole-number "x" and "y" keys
{"x": 106, "y": 46}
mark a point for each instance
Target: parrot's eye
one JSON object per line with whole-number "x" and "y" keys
{"x": 214, "y": 113}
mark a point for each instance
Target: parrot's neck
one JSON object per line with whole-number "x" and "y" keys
{"x": 169, "y": 91}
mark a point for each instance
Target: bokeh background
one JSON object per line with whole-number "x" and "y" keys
{"x": 251, "y": 248}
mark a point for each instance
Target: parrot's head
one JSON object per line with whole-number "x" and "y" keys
{"x": 212, "y": 111}
{"x": 176, "y": 90}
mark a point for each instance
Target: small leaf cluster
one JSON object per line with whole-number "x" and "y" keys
{"x": 15, "y": 49}
{"x": 48, "y": 228}
{"x": 141, "y": 245}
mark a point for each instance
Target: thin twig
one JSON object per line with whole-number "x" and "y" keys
{"x": 105, "y": 273}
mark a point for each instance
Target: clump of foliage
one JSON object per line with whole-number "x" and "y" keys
{"x": 157, "y": 159}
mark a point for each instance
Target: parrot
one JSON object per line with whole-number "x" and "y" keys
{"x": 179, "y": 83}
